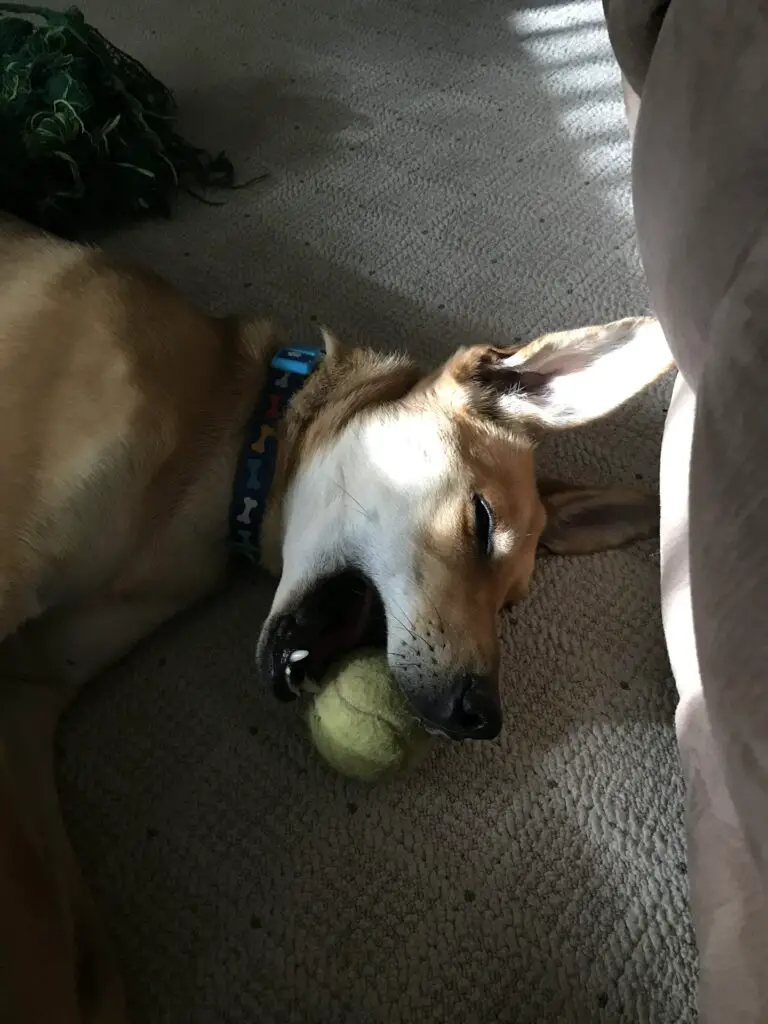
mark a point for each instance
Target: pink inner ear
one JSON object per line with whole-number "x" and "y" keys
{"x": 549, "y": 361}
{"x": 506, "y": 380}
{"x": 531, "y": 384}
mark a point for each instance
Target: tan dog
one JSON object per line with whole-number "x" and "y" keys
{"x": 404, "y": 511}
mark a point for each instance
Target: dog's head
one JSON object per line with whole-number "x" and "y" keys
{"x": 407, "y": 511}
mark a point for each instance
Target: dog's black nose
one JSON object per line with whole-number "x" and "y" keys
{"x": 469, "y": 710}
{"x": 477, "y": 709}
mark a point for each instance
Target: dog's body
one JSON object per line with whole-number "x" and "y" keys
{"x": 404, "y": 507}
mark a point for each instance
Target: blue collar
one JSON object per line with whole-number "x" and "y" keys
{"x": 287, "y": 374}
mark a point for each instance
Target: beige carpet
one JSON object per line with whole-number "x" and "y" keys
{"x": 441, "y": 171}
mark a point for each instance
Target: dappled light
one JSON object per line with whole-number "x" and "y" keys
{"x": 566, "y": 43}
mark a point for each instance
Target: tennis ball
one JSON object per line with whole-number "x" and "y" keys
{"x": 360, "y": 722}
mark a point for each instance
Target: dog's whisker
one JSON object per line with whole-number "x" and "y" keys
{"x": 351, "y": 496}
{"x": 415, "y": 635}
{"x": 428, "y": 596}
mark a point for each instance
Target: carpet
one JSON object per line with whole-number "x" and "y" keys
{"x": 439, "y": 173}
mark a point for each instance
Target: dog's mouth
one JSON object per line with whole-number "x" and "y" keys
{"x": 339, "y": 614}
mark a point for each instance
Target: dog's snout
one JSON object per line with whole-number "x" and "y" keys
{"x": 477, "y": 709}
{"x": 469, "y": 709}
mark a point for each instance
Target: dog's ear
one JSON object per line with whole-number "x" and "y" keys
{"x": 335, "y": 350}
{"x": 584, "y": 520}
{"x": 565, "y": 379}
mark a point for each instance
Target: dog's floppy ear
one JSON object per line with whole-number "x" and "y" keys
{"x": 565, "y": 379}
{"x": 335, "y": 350}
{"x": 584, "y": 520}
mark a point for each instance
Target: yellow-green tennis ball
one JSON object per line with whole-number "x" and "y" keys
{"x": 361, "y": 723}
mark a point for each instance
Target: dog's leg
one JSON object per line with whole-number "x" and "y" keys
{"x": 69, "y": 647}
{"x": 54, "y": 962}
{"x": 38, "y": 977}
{"x": 55, "y": 959}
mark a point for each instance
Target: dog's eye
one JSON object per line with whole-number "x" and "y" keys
{"x": 483, "y": 525}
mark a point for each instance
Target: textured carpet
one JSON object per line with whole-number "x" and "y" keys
{"x": 439, "y": 172}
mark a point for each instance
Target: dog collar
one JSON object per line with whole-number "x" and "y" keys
{"x": 288, "y": 373}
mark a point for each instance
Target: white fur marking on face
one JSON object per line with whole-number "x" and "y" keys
{"x": 361, "y": 502}
{"x": 410, "y": 450}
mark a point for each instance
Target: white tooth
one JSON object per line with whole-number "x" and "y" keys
{"x": 434, "y": 731}
{"x": 298, "y": 656}
{"x": 296, "y": 690}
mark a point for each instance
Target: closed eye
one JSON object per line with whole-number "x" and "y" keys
{"x": 483, "y": 526}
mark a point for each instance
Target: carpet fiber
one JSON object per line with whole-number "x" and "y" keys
{"x": 440, "y": 172}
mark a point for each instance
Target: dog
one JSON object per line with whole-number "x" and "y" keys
{"x": 401, "y": 508}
